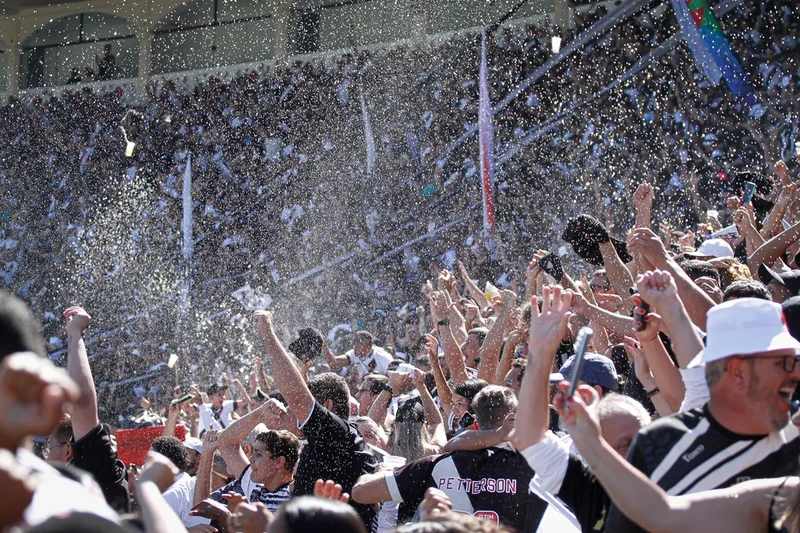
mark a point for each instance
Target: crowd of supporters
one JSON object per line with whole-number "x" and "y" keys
{"x": 388, "y": 389}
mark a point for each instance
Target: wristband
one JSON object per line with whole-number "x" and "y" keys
{"x": 389, "y": 389}
{"x": 653, "y": 392}
{"x": 444, "y": 322}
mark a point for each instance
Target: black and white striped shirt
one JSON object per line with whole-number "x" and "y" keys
{"x": 691, "y": 452}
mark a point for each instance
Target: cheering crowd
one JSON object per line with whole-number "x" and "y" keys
{"x": 284, "y": 150}
{"x": 438, "y": 389}
{"x": 680, "y": 409}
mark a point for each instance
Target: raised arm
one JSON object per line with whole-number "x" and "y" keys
{"x": 490, "y": 349}
{"x": 452, "y": 351}
{"x": 772, "y": 250}
{"x": 336, "y": 361}
{"x": 432, "y": 414}
{"x": 443, "y": 389}
{"x": 666, "y": 376}
{"x": 548, "y": 327}
{"x": 659, "y": 290}
{"x": 474, "y": 291}
{"x": 244, "y": 397}
{"x": 287, "y": 376}
{"x": 741, "y": 508}
{"x": 157, "y": 475}
{"x": 695, "y": 299}
{"x": 620, "y": 324}
{"x": 84, "y": 411}
{"x": 202, "y": 485}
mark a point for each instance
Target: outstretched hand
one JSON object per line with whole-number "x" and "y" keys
{"x": 330, "y": 491}
{"x": 550, "y": 325}
{"x": 577, "y": 412}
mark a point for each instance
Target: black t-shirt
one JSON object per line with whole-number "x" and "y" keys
{"x": 584, "y": 495}
{"x": 334, "y": 450}
{"x": 490, "y": 483}
{"x": 95, "y": 455}
{"x": 691, "y": 452}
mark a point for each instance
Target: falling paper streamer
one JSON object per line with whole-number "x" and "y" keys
{"x": 173, "y": 358}
{"x": 369, "y": 139}
{"x": 486, "y": 142}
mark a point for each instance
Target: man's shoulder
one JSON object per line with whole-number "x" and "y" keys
{"x": 682, "y": 422}
{"x": 382, "y": 353}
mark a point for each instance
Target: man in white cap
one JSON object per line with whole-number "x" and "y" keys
{"x": 195, "y": 447}
{"x": 711, "y": 249}
{"x": 744, "y": 431}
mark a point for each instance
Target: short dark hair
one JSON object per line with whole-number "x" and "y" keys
{"x": 469, "y": 388}
{"x": 699, "y": 269}
{"x": 174, "y": 450}
{"x": 376, "y": 382}
{"x": 329, "y": 386}
{"x": 307, "y": 513}
{"x": 281, "y": 444}
{"x": 364, "y": 336}
{"x": 19, "y": 330}
{"x": 492, "y": 404}
{"x": 746, "y": 288}
{"x": 480, "y": 332}
{"x": 63, "y": 431}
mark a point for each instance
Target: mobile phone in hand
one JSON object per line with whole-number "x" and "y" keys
{"x": 638, "y": 320}
{"x": 467, "y": 420}
{"x": 749, "y": 191}
{"x": 581, "y": 344}
{"x": 185, "y": 398}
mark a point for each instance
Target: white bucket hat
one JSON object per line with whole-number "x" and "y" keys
{"x": 743, "y": 327}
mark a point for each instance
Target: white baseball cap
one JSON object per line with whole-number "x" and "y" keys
{"x": 713, "y": 248}
{"x": 742, "y": 327}
{"x": 193, "y": 443}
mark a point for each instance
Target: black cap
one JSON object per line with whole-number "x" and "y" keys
{"x": 214, "y": 388}
{"x": 791, "y": 313}
{"x": 790, "y": 280}
{"x": 308, "y": 344}
{"x": 410, "y": 410}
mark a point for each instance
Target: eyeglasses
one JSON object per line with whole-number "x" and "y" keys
{"x": 47, "y": 449}
{"x": 789, "y": 361}
{"x": 598, "y": 287}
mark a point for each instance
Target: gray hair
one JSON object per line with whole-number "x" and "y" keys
{"x": 618, "y": 404}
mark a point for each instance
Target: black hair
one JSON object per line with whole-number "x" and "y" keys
{"x": 329, "y": 386}
{"x": 307, "y": 513}
{"x": 480, "y": 332}
{"x": 281, "y": 444}
{"x": 698, "y": 269}
{"x": 174, "y": 450}
{"x": 19, "y": 330}
{"x": 469, "y": 388}
{"x": 746, "y": 288}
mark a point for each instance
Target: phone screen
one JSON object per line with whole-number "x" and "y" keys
{"x": 581, "y": 343}
{"x": 749, "y": 190}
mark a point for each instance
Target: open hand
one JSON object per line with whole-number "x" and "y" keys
{"x": 330, "y": 491}
{"x": 250, "y": 518}
{"x": 550, "y": 325}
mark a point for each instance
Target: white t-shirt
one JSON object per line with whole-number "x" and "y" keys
{"x": 58, "y": 495}
{"x": 180, "y": 497}
{"x": 209, "y": 421}
{"x": 377, "y": 361}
